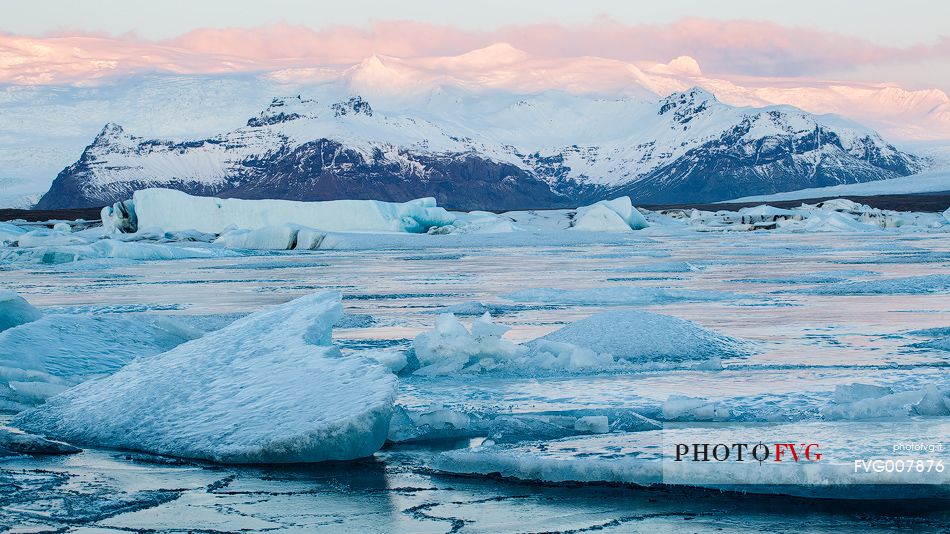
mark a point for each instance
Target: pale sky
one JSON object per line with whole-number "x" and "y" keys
{"x": 898, "y": 23}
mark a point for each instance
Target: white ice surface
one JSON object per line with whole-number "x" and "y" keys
{"x": 42, "y": 358}
{"x": 639, "y": 336}
{"x": 14, "y": 310}
{"x": 174, "y": 210}
{"x": 269, "y": 388}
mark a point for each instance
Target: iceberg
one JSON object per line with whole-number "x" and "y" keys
{"x": 856, "y": 402}
{"x": 268, "y": 388}
{"x": 450, "y": 348}
{"x": 616, "y": 340}
{"x": 14, "y": 310}
{"x": 639, "y": 336}
{"x": 9, "y": 233}
{"x": 177, "y": 211}
{"x": 283, "y": 237}
{"x": 617, "y": 215}
{"x": 44, "y": 357}
{"x": 833, "y": 221}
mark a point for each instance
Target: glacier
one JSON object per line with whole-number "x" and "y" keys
{"x": 268, "y": 388}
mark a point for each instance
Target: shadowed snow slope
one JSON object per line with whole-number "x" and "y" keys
{"x": 269, "y": 388}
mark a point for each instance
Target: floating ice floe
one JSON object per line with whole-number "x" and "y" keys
{"x": 14, "y": 310}
{"x": 9, "y": 233}
{"x": 451, "y": 348}
{"x": 639, "y": 336}
{"x": 44, "y": 357}
{"x": 175, "y": 210}
{"x": 648, "y": 458}
{"x": 268, "y": 388}
{"x": 283, "y": 237}
{"x": 836, "y": 215}
{"x": 621, "y": 340}
{"x": 868, "y": 402}
{"x": 682, "y": 408}
{"x": 84, "y": 249}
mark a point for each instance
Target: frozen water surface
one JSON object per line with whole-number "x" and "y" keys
{"x": 816, "y": 311}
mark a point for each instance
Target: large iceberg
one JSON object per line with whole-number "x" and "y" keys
{"x": 269, "y": 388}
{"x": 44, "y": 357}
{"x": 175, "y": 210}
{"x": 15, "y": 311}
{"x": 617, "y": 215}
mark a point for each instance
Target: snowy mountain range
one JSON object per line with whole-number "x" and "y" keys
{"x": 493, "y": 151}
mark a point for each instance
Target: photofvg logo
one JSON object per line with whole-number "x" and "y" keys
{"x": 743, "y": 452}
{"x": 808, "y": 453}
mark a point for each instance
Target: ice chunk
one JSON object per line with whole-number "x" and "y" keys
{"x": 115, "y": 248}
{"x": 845, "y": 393}
{"x": 683, "y": 408}
{"x": 9, "y": 233}
{"x": 44, "y": 357}
{"x": 393, "y": 360}
{"x": 647, "y": 457}
{"x": 14, "y": 310}
{"x": 477, "y": 222}
{"x": 268, "y": 388}
{"x": 946, "y": 215}
{"x": 13, "y": 441}
{"x": 934, "y": 402}
{"x": 62, "y": 228}
{"x": 869, "y": 404}
{"x": 175, "y": 210}
{"x": 283, "y": 237}
{"x": 642, "y": 336}
{"x": 119, "y": 217}
{"x": 451, "y": 348}
{"x": 442, "y": 419}
{"x": 592, "y": 424}
{"x": 832, "y": 221}
{"x": 48, "y": 238}
{"x": 554, "y": 355}
{"x": 617, "y": 215}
